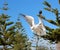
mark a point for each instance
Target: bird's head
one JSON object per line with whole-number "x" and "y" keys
{"x": 40, "y": 15}
{"x": 40, "y": 12}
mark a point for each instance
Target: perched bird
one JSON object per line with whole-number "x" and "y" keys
{"x": 39, "y": 28}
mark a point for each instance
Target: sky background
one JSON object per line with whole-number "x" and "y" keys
{"x": 29, "y": 7}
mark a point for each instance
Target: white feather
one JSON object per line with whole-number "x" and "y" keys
{"x": 39, "y": 28}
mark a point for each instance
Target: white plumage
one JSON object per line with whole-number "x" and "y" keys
{"x": 39, "y": 28}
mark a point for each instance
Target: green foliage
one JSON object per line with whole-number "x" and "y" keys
{"x": 49, "y": 29}
{"x": 13, "y": 35}
{"x": 59, "y": 1}
{"x": 49, "y": 9}
{"x": 20, "y": 42}
{"x": 47, "y": 4}
{"x": 9, "y": 23}
{"x": 52, "y": 22}
{"x": 4, "y": 33}
{"x": 52, "y": 34}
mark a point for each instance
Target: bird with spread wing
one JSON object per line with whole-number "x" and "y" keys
{"x": 39, "y": 28}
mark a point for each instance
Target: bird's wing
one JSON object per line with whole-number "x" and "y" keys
{"x": 42, "y": 28}
{"x": 29, "y": 19}
{"x": 39, "y": 30}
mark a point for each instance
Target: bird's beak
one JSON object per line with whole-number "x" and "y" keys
{"x": 22, "y": 14}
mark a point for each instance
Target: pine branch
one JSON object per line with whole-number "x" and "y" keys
{"x": 55, "y": 11}
{"x": 49, "y": 29}
{"x": 48, "y": 9}
{"x": 52, "y": 22}
{"x": 47, "y": 4}
{"x": 59, "y": 1}
{"x": 9, "y": 23}
{"x": 11, "y": 28}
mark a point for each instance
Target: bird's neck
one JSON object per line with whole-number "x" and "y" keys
{"x": 40, "y": 20}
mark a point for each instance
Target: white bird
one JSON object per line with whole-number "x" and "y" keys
{"x": 39, "y": 28}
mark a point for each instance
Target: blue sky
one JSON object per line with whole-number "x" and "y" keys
{"x": 29, "y": 7}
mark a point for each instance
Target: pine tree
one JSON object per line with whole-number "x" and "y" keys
{"x": 6, "y": 34}
{"x": 21, "y": 40}
{"x": 53, "y": 34}
{"x": 12, "y": 35}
